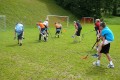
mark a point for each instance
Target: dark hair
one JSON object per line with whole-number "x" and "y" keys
{"x": 103, "y": 24}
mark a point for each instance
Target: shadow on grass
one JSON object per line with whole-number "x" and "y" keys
{"x": 12, "y": 45}
{"x": 75, "y": 42}
{"x": 96, "y": 71}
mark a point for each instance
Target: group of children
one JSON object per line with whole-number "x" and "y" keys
{"x": 43, "y": 30}
{"x": 104, "y": 34}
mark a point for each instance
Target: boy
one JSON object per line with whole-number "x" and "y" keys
{"x": 107, "y": 37}
{"x": 58, "y": 27}
{"x": 46, "y": 26}
{"x": 41, "y": 27}
{"x": 19, "y": 31}
{"x": 97, "y": 26}
{"x": 97, "y": 29}
{"x": 78, "y": 28}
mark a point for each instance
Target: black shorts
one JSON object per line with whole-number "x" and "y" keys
{"x": 105, "y": 49}
{"x": 20, "y": 36}
{"x": 43, "y": 30}
{"x": 78, "y": 32}
{"x": 58, "y": 30}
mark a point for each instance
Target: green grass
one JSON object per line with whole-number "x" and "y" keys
{"x": 112, "y": 20}
{"x": 57, "y": 59}
{"x": 30, "y": 11}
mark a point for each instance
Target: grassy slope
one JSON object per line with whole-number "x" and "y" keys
{"x": 57, "y": 59}
{"x": 112, "y": 20}
{"x": 29, "y": 11}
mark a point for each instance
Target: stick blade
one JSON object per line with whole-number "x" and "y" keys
{"x": 85, "y": 57}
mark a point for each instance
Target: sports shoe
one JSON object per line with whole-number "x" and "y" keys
{"x": 95, "y": 55}
{"x": 96, "y": 63}
{"x": 110, "y": 66}
{"x": 20, "y": 44}
{"x": 73, "y": 36}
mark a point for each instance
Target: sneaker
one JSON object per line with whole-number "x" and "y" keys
{"x": 73, "y": 36}
{"x": 96, "y": 64}
{"x": 20, "y": 44}
{"x": 110, "y": 66}
{"x": 95, "y": 55}
{"x": 45, "y": 39}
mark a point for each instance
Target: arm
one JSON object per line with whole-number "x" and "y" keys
{"x": 15, "y": 34}
{"x": 103, "y": 39}
{"x": 40, "y": 29}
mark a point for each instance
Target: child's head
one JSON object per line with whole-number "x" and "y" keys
{"x": 102, "y": 25}
{"x": 40, "y": 21}
{"x": 97, "y": 20}
{"x": 74, "y": 21}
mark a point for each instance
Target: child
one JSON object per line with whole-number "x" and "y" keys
{"x": 78, "y": 29}
{"x": 41, "y": 27}
{"x": 107, "y": 37}
{"x": 97, "y": 26}
{"x": 46, "y": 23}
{"x": 19, "y": 30}
{"x": 58, "y": 27}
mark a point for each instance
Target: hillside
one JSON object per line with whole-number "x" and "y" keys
{"x": 29, "y": 11}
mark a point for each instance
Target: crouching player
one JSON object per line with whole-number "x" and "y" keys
{"x": 107, "y": 37}
{"x": 58, "y": 27}
{"x": 43, "y": 33}
{"x": 19, "y": 31}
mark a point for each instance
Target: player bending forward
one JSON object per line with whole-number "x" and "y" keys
{"x": 107, "y": 37}
{"x": 42, "y": 30}
{"x": 19, "y": 31}
{"x": 78, "y": 29}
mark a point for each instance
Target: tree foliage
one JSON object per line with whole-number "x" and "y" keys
{"x": 90, "y": 8}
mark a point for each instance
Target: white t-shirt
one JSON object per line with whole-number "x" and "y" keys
{"x": 45, "y": 23}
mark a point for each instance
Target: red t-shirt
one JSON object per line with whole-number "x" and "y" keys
{"x": 97, "y": 24}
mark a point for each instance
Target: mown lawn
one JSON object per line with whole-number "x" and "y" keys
{"x": 57, "y": 59}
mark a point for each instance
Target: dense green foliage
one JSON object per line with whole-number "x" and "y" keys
{"x": 90, "y": 8}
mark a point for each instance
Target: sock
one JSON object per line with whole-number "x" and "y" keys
{"x": 98, "y": 61}
{"x": 111, "y": 62}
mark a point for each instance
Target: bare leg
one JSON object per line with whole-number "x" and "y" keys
{"x": 110, "y": 65}
{"x": 99, "y": 57}
{"x": 79, "y": 38}
{"x": 75, "y": 38}
{"x": 97, "y": 63}
{"x": 109, "y": 57}
{"x": 20, "y": 42}
{"x": 99, "y": 47}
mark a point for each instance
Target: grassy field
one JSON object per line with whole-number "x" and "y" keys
{"x": 57, "y": 59}
{"x": 30, "y": 11}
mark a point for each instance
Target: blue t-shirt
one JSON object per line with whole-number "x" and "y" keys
{"x": 19, "y": 28}
{"x": 108, "y": 34}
